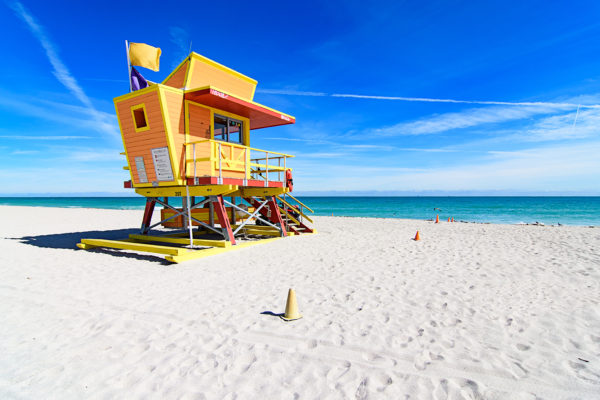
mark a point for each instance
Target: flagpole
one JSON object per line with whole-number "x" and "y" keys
{"x": 128, "y": 66}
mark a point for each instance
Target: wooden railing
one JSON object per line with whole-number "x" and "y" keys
{"x": 299, "y": 207}
{"x": 224, "y": 159}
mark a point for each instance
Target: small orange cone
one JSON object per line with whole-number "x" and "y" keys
{"x": 417, "y": 237}
{"x": 291, "y": 307}
{"x": 448, "y": 219}
{"x": 437, "y": 219}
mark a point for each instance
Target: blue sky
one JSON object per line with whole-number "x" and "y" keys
{"x": 366, "y": 83}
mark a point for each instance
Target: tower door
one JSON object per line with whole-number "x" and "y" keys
{"x": 198, "y": 122}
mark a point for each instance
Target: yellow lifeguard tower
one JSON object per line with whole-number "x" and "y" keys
{"x": 189, "y": 138}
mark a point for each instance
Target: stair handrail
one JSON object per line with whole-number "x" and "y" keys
{"x": 289, "y": 216}
{"x": 301, "y": 203}
{"x": 291, "y": 206}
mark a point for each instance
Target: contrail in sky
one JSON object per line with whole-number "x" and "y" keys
{"x": 428, "y": 100}
{"x": 61, "y": 72}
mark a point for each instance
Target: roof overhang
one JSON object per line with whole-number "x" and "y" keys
{"x": 259, "y": 115}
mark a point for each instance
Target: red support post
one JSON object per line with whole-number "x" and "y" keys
{"x": 276, "y": 215}
{"x": 273, "y": 214}
{"x": 150, "y": 203}
{"x": 219, "y": 207}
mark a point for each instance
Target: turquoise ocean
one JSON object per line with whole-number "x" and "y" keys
{"x": 506, "y": 210}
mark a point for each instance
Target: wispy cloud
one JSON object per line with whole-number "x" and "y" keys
{"x": 562, "y": 127}
{"x": 77, "y": 116}
{"x": 24, "y": 152}
{"x": 180, "y": 38}
{"x": 474, "y": 102}
{"x": 301, "y": 140}
{"x": 287, "y": 92}
{"x": 427, "y": 150}
{"x": 87, "y": 155}
{"x": 463, "y": 119}
{"x": 552, "y": 128}
{"x": 325, "y": 155}
{"x": 571, "y": 167}
{"x": 368, "y": 147}
{"x": 60, "y": 71}
{"x": 26, "y": 137}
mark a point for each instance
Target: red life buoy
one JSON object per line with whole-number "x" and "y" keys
{"x": 289, "y": 182}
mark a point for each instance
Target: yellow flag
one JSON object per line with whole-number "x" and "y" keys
{"x": 143, "y": 55}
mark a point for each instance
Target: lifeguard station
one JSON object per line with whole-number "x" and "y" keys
{"x": 187, "y": 145}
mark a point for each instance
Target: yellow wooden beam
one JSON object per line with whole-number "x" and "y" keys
{"x": 127, "y": 245}
{"x": 191, "y": 255}
{"x": 260, "y": 191}
{"x": 85, "y": 246}
{"x": 251, "y": 231}
{"x": 180, "y": 240}
{"x": 261, "y": 230}
{"x": 177, "y": 191}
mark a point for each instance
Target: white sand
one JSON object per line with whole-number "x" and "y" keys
{"x": 470, "y": 311}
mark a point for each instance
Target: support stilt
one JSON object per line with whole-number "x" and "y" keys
{"x": 149, "y": 210}
{"x": 211, "y": 214}
{"x": 219, "y": 207}
{"x": 267, "y": 213}
{"x": 276, "y": 215}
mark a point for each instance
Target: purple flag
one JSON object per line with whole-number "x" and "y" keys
{"x": 137, "y": 80}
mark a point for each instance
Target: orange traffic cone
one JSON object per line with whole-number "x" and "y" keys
{"x": 437, "y": 219}
{"x": 291, "y": 307}
{"x": 417, "y": 237}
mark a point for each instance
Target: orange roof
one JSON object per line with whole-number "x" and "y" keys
{"x": 259, "y": 115}
{"x": 197, "y": 71}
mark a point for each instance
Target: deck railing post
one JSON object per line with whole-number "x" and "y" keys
{"x": 220, "y": 170}
{"x": 189, "y": 214}
{"x": 246, "y": 158}
{"x": 285, "y": 169}
{"x": 195, "y": 177}
{"x": 267, "y": 169}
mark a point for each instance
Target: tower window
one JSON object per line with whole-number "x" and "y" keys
{"x": 228, "y": 129}
{"x": 139, "y": 118}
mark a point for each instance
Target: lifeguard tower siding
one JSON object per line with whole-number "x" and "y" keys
{"x": 190, "y": 138}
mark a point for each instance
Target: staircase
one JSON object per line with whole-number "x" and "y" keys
{"x": 293, "y": 213}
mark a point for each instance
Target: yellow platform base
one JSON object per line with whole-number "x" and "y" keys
{"x": 146, "y": 244}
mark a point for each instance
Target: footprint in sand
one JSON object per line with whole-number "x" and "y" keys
{"x": 362, "y": 391}
{"x": 523, "y": 347}
{"x": 441, "y": 391}
{"x": 335, "y": 373}
{"x": 382, "y": 380}
{"x": 378, "y": 360}
{"x": 517, "y": 370}
{"x": 582, "y": 372}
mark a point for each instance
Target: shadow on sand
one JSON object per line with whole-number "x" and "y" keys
{"x": 271, "y": 313}
{"x": 69, "y": 241}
